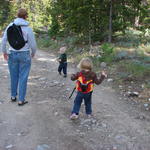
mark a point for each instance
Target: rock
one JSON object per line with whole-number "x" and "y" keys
{"x": 109, "y": 80}
{"x": 56, "y": 113}
{"x": 56, "y": 82}
{"x": 103, "y": 65}
{"x": 19, "y": 134}
{"x": 120, "y": 86}
{"x": 114, "y": 148}
{"x": 99, "y": 56}
{"x": 147, "y": 109}
{"x": 82, "y": 134}
{"x": 9, "y": 146}
{"x": 141, "y": 117}
{"x": 43, "y": 147}
{"x": 94, "y": 121}
{"x": 145, "y": 105}
{"x": 22, "y": 133}
{"x": 78, "y": 131}
{"x": 133, "y": 94}
{"x": 42, "y": 102}
{"x": 142, "y": 86}
{"x": 86, "y": 121}
{"x": 104, "y": 125}
{"x": 42, "y": 79}
{"x": 68, "y": 89}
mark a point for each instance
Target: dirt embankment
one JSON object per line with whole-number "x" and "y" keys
{"x": 44, "y": 123}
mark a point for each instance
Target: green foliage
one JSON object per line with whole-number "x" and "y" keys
{"x": 107, "y": 52}
{"x": 145, "y": 48}
{"x": 138, "y": 70}
{"x": 132, "y": 38}
{"x": 38, "y": 14}
{"x": 4, "y": 12}
{"x": 88, "y": 19}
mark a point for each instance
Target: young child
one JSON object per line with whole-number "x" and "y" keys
{"x": 63, "y": 61}
{"x": 84, "y": 86}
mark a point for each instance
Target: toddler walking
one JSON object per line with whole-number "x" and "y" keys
{"x": 85, "y": 80}
{"x": 62, "y": 61}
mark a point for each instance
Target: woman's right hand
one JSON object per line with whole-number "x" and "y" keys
{"x": 5, "y": 55}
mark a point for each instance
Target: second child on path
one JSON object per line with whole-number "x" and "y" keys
{"x": 62, "y": 61}
{"x": 85, "y": 80}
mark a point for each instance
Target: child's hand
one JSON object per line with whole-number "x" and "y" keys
{"x": 58, "y": 59}
{"x": 104, "y": 74}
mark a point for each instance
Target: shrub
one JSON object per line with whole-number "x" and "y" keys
{"x": 137, "y": 70}
{"x": 107, "y": 52}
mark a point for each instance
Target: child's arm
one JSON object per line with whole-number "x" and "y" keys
{"x": 99, "y": 80}
{"x": 74, "y": 76}
{"x": 58, "y": 59}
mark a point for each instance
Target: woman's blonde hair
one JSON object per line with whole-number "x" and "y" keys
{"x": 85, "y": 64}
{"x": 22, "y": 13}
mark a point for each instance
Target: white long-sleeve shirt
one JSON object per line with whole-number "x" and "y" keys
{"x": 27, "y": 34}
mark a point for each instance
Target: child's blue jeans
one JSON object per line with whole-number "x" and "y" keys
{"x": 87, "y": 101}
{"x": 63, "y": 66}
{"x": 19, "y": 64}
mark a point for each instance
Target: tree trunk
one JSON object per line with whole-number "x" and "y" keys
{"x": 110, "y": 23}
{"x": 136, "y": 24}
{"x": 90, "y": 40}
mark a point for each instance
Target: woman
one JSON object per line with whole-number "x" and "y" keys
{"x": 19, "y": 61}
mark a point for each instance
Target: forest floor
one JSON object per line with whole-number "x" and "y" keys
{"x": 44, "y": 124}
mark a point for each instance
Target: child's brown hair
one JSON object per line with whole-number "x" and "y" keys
{"x": 85, "y": 64}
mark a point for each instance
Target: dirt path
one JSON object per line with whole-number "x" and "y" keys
{"x": 44, "y": 123}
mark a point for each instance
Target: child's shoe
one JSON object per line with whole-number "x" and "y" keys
{"x": 74, "y": 116}
{"x": 59, "y": 73}
{"x": 65, "y": 76}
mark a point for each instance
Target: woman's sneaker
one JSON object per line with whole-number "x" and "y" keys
{"x": 74, "y": 116}
{"x": 13, "y": 99}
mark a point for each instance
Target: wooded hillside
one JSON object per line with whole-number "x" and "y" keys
{"x": 92, "y": 19}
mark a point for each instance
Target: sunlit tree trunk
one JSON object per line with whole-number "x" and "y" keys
{"x": 110, "y": 23}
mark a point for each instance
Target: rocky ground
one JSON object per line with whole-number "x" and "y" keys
{"x": 44, "y": 124}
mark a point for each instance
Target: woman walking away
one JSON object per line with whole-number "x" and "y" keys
{"x": 22, "y": 46}
{"x": 85, "y": 80}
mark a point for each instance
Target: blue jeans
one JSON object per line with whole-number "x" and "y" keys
{"x": 87, "y": 101}
{"x": 63, "y": 66}
{"x": 19, "y": 64}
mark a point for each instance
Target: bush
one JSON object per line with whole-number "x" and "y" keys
{"x": 145, "y": 48}
{"x": 107, "y": 52}
{"x": 137, "y": 70}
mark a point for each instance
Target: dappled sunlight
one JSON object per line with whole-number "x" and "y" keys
{"x": 31, "y": 83}
{"x": 34, "y": 77}
{"x": 47, "y": 59}
{"x": 120, "y": 48}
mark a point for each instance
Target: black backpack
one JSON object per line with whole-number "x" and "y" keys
{"x": 15, "y": 37}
